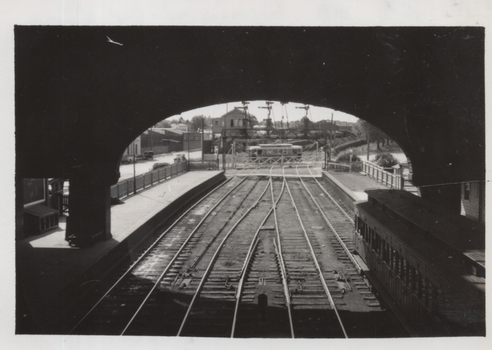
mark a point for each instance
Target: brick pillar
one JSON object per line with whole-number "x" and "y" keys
{"x": 89, "y": 219}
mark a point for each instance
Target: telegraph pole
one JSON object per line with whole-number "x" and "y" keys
{"x": 223, "y": 150}
{"x": 306, "y": 123}
{"x": 269, "y": 120}
{"x": 247, "y": 120}
{"x": 203, "y": 126}
{"x": 286, "y": 114}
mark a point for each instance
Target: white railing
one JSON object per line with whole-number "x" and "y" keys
{"x": 380, "y": 174}
{"x": 339, "y": 166}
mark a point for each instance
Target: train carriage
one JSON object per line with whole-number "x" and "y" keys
{"x": 430, "y": 262}
{"x": 277, "y": 152}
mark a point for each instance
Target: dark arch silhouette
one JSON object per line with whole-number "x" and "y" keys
{"x": 81, "y": 99}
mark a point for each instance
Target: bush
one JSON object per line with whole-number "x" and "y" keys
{"x": 356, "y": 167}
{"x": 385, "y": 160}
{"x": 345, "y": 157}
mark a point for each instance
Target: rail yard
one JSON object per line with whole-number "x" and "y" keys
{"x": 267, "y": 254}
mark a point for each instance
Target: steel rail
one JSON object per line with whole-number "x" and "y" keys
{"x": 242, "y": 274}
{"x": 144, "y": 254}
{"x": 282, "y": 263}
{"x": 333, "y": 200}
{"x": 315, "y": 260}
{"x": 251, "y": 173}
{"x": 251, "y": 249}
{"x": 249, "y": 256}
{"x": 177, "y": 255}
{"x": 337, "y": 236}
{"x": 212, "y": 261}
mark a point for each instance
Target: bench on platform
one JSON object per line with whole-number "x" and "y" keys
{"x": 39, "y": 219}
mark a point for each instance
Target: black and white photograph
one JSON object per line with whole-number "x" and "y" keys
{"x": 278, "y": 174}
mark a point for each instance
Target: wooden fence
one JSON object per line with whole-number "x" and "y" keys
{"x": 131, "y": 186}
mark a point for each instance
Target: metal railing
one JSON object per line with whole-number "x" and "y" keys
{"x": 380, "y": 174}
{"x": 130, "y": 186}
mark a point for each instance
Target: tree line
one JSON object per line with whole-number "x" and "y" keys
{"x": 361, "y": 129}
{"x": 196, "y": 123}
{"x": 364, "y": 130}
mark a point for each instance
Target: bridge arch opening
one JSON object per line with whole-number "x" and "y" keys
{"x": 258, "y": 114}
{"x": 89, "y": 99}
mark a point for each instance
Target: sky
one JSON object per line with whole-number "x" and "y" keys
{"x": 292, "y": 111}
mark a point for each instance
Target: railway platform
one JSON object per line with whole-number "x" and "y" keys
{"x": 351, "y": 188}
{"x": 353, "y": 184}
{"x": 50, "y": 274}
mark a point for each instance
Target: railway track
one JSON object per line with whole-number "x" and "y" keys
{"x": 333, "y": 229}
{"x": 303, "y": 305}
{"x": 339, "y": 223}
{"x": 163, "y": 260}
{"x": 264, "y": 278}
{"x": 195, "y": 270}
{"x": 212, "y": 311}
{"x": 314, "y": 311}
{"x": 248, "y": 260}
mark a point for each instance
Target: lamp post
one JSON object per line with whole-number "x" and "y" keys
{"x": 150, "y": 138}
{"x": 188, "y": 134}
{"x": 134, "y": 172}
{"x": 223, "y": 138}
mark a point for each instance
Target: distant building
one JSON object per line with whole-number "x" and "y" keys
{"x": 234, "y": 119}
{"x": 326, "y": 126}
{"x": 344, "y": 126}
{"x": 162, "y": 140}
{"x": 159, "y": 140}
{"x": 192, "y": 140}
